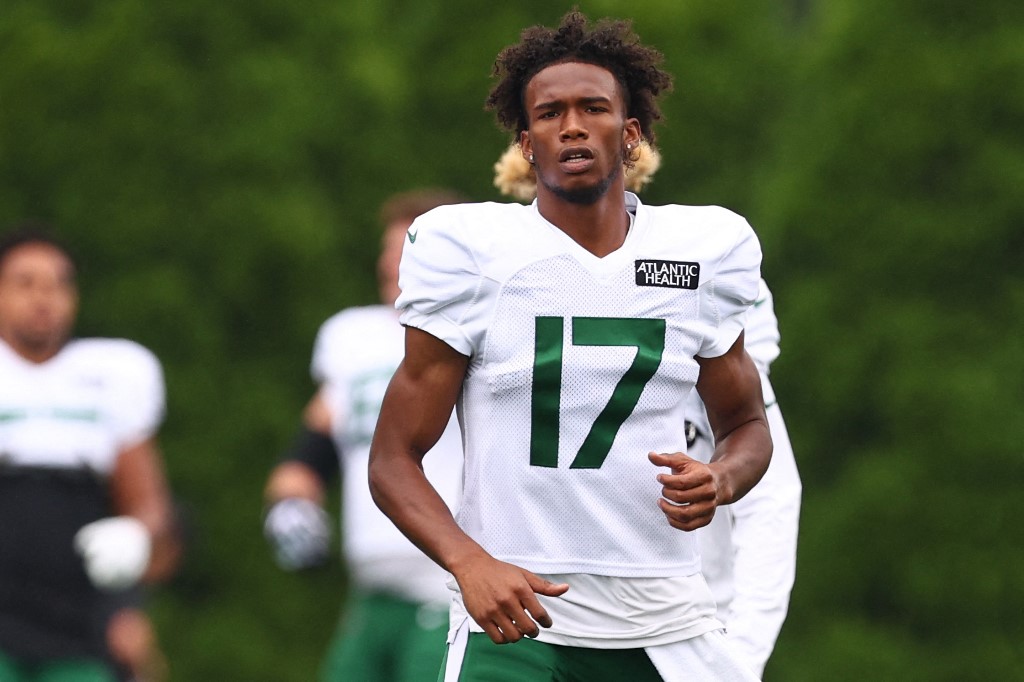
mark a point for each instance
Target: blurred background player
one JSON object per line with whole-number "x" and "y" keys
{"x": 395, "y": 620}
{"x": 748, "y": 551}
{"x": 85, "y": 511}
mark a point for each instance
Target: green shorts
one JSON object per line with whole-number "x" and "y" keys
{"x": 528, "y": 659}
{"x": 384, "y": 639}
{"x": 472, "y": 657}
{"x": 69, "y": 670}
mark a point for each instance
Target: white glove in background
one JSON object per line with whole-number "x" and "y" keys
{"x": 299, "y": 531}
{"x": 116, "y": 551}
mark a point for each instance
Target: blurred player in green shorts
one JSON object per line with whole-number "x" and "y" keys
{"x": 85, "y": 510}
{"x": 393, "y": 626}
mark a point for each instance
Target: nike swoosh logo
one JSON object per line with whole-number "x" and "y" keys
{"x": 412, "y": 236}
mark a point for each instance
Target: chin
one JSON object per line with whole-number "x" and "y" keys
{"x": 585, "y": 195}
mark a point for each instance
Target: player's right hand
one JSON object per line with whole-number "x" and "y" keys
{"x": 299, "y": 532}
{"x": 502, "y": 598}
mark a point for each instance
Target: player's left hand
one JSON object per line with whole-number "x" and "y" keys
{"x": 115, "y": 551}
{"x": 690, "y": 493}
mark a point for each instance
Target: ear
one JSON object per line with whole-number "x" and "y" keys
{"x": 525, "y": 144}
{"x": 631, "y": 133}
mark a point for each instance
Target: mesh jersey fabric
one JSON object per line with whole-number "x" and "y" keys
{"x": 570, "y": 358}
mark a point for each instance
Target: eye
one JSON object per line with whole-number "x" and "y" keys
{"x": 548, "y": 114}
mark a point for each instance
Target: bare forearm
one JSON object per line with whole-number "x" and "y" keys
{"x": 403, "y": 493}
{"x": 730, "y": 387}
{"x": 741, "y": 458}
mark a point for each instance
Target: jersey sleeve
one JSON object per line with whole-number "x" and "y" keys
{"x": 139, "y": 401}
{"x": 731, "y": 290}
{"x": 440, "y": 280}
{"x": 761, "y": 337}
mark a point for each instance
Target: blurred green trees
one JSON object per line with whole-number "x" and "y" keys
{"x": 895, "y": 246}
{"x": 219, "y": 167}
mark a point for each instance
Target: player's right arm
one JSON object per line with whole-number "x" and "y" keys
{"x": 500, "y": 597}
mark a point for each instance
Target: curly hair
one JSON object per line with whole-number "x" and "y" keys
{"x": 611, "y": 44}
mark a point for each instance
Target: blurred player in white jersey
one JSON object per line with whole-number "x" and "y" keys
{"x": 568, "y": 333}
{"x": 748, "y": 551}
{"x": 85, "y": 512}
{"x": 394, "y": 623}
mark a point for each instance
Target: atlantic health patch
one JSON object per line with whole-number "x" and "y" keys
{"x": 667, "y": 273}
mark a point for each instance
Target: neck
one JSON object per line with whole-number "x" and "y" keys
{"x": 599, "y": 227}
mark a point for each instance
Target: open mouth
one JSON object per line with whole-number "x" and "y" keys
{"x": 576, "y": 159}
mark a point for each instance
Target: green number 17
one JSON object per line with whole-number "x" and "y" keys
{"x": 646, "y": 335}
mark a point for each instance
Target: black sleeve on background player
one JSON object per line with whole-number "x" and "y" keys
{"x": 315, "y": 450}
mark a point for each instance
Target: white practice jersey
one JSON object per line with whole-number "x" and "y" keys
{"x": 579, "y": 366}
{"x": 748, "y": 550}
{"x": 80, "y": 408}
{"x": 357, "y": 351}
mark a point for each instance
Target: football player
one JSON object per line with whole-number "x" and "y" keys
{"x": 748, "y": 551}
{"x": 396, "y": 617}
{"x": 85, "y": 511}
{"x": 568, "y": 333}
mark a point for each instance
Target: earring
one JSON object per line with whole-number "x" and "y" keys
{"x": 628, "y": 146}
{"x": 531, "y": 158}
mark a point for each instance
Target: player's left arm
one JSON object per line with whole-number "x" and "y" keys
{"x": 730, "y": 388}
{"x": 139, "y": 489}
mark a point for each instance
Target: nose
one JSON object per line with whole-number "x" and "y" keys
{"x": 572, "y": 126}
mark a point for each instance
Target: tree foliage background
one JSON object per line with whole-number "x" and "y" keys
{"x": 218, "y": 167}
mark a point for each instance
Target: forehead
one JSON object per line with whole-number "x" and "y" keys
{"x": 36, "y": 257}
{"x": 571, "y": 80}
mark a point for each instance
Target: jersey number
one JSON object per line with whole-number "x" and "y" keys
{"x": 646, "y": 335}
